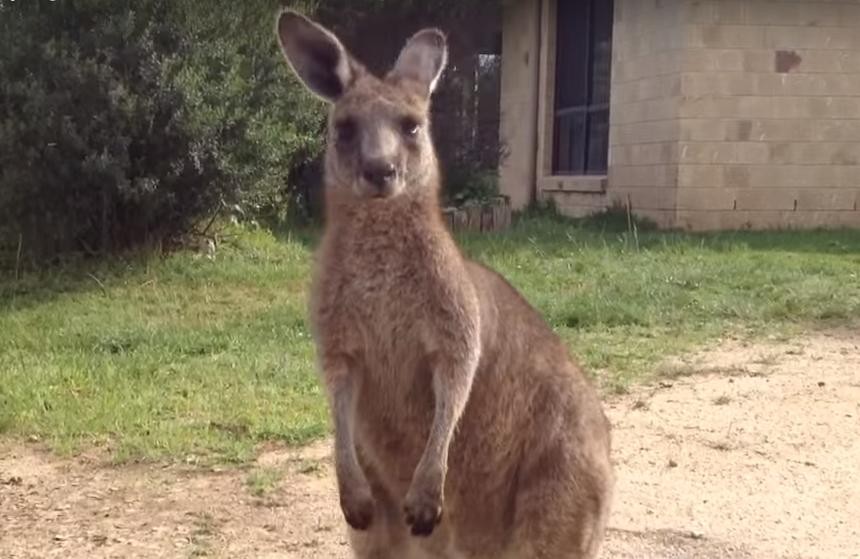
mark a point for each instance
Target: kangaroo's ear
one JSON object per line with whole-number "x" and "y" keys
{"x": 423, "y": 59}
{"x": 316, "y": 56}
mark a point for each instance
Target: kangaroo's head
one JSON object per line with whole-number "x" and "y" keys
{"x": 379, "y": 143}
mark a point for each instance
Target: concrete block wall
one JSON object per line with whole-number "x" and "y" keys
{"x": 519, "y": 99}
{"x": 647, "y": 55}
{"x": 647, "y": 52}
{"x": 724, "y": 113}
{"x": 769, "y": 117}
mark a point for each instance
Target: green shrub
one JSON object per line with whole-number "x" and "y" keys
{"x": 123, "y": 122}
{"x": 129, "y": 122}
{"x": 470, "y": 184}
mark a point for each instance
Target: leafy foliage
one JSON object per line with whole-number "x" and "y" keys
{"x": 123, "y": 122}
{"x": 128, "y": 122}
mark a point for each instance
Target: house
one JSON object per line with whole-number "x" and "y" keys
{"x": 696, "y": 114}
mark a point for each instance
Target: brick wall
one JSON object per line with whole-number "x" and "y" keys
{"x": 644, "y": 113}
{"x": 769, "y": 114}
{"x": 724, "y": 113}
{"x": 519, "y": 99}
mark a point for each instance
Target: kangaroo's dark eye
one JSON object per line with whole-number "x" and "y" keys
{"x": 345, "y": 130}
{"x": 410, "y": 126}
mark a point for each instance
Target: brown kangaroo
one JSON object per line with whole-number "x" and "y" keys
{"x": 463, "y": 429}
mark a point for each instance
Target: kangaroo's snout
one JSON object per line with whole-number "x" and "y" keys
{"x": 380, "y": 174}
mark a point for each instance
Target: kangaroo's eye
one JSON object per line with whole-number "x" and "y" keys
{"x": 345, "y": 130}
{"x": 410, "y": 126}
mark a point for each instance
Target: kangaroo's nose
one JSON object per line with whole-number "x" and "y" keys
{"x": 379, "y": 173}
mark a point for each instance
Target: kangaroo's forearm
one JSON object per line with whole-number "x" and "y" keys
{"x": 452, "y": 385}
{"x": 343, "y": 392}
{"x": 356, "y": 499}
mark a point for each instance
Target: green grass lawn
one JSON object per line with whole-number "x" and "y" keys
{"x": 186, "y": 358}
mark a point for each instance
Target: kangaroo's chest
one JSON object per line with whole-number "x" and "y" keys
{"x": 388, "y": 317}
{"x": 384, "y": 299}
{"x": 384, "y": 294}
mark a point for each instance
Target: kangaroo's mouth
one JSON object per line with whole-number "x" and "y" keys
{"x": 380, "y": 192}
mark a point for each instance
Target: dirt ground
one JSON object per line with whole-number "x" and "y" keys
{"x": 741, "y": 451}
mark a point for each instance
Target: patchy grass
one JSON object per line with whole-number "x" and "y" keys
{"x": 200, "y": 360}
{"x": 205, "y": 529}
{"x": 310, "y": 467}
{"x": 625, "y": 301}
{"x": 261, "y": 481}
{"x": 182, "y": 357}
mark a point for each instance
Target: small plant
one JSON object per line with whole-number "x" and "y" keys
{"x": 310, "y": 467}
{"x": 620, "y": 218}
{"x": 262, "y": 481}
{"x": 472, "y": 186}
{"x": 205, "y": 528}
{"x": 545, "y": 209}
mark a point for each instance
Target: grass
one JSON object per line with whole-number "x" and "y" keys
{"x": 186, "y": 358}
{"x": 261, "y": 481}
{"x": 205, "y": 529}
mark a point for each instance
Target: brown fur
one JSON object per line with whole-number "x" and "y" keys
{"x": 458, "y": 413}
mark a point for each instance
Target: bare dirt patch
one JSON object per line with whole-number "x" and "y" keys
{"x": 745, "y": 450}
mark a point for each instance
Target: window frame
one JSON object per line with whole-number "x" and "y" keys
{"x": 547, "y": 179}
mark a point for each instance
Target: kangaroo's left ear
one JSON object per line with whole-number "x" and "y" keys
{"x": 423, "y": 59}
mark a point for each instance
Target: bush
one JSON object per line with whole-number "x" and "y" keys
{"x": 123, "y": 122}
{"x": 465, "y": 184}
{"x": 128, "y": 122}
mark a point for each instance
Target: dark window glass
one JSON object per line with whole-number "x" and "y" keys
{"x": 583, "y": 69}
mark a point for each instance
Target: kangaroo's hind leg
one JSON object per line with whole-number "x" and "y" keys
{"x": 563, "y": 504}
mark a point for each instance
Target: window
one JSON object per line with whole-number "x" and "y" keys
{"x": 583, "y": 66}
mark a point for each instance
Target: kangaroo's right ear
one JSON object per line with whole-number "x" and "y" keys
{"x": 317, "y": 57}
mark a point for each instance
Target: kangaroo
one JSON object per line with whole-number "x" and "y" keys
{"x": 462, "y": 427}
